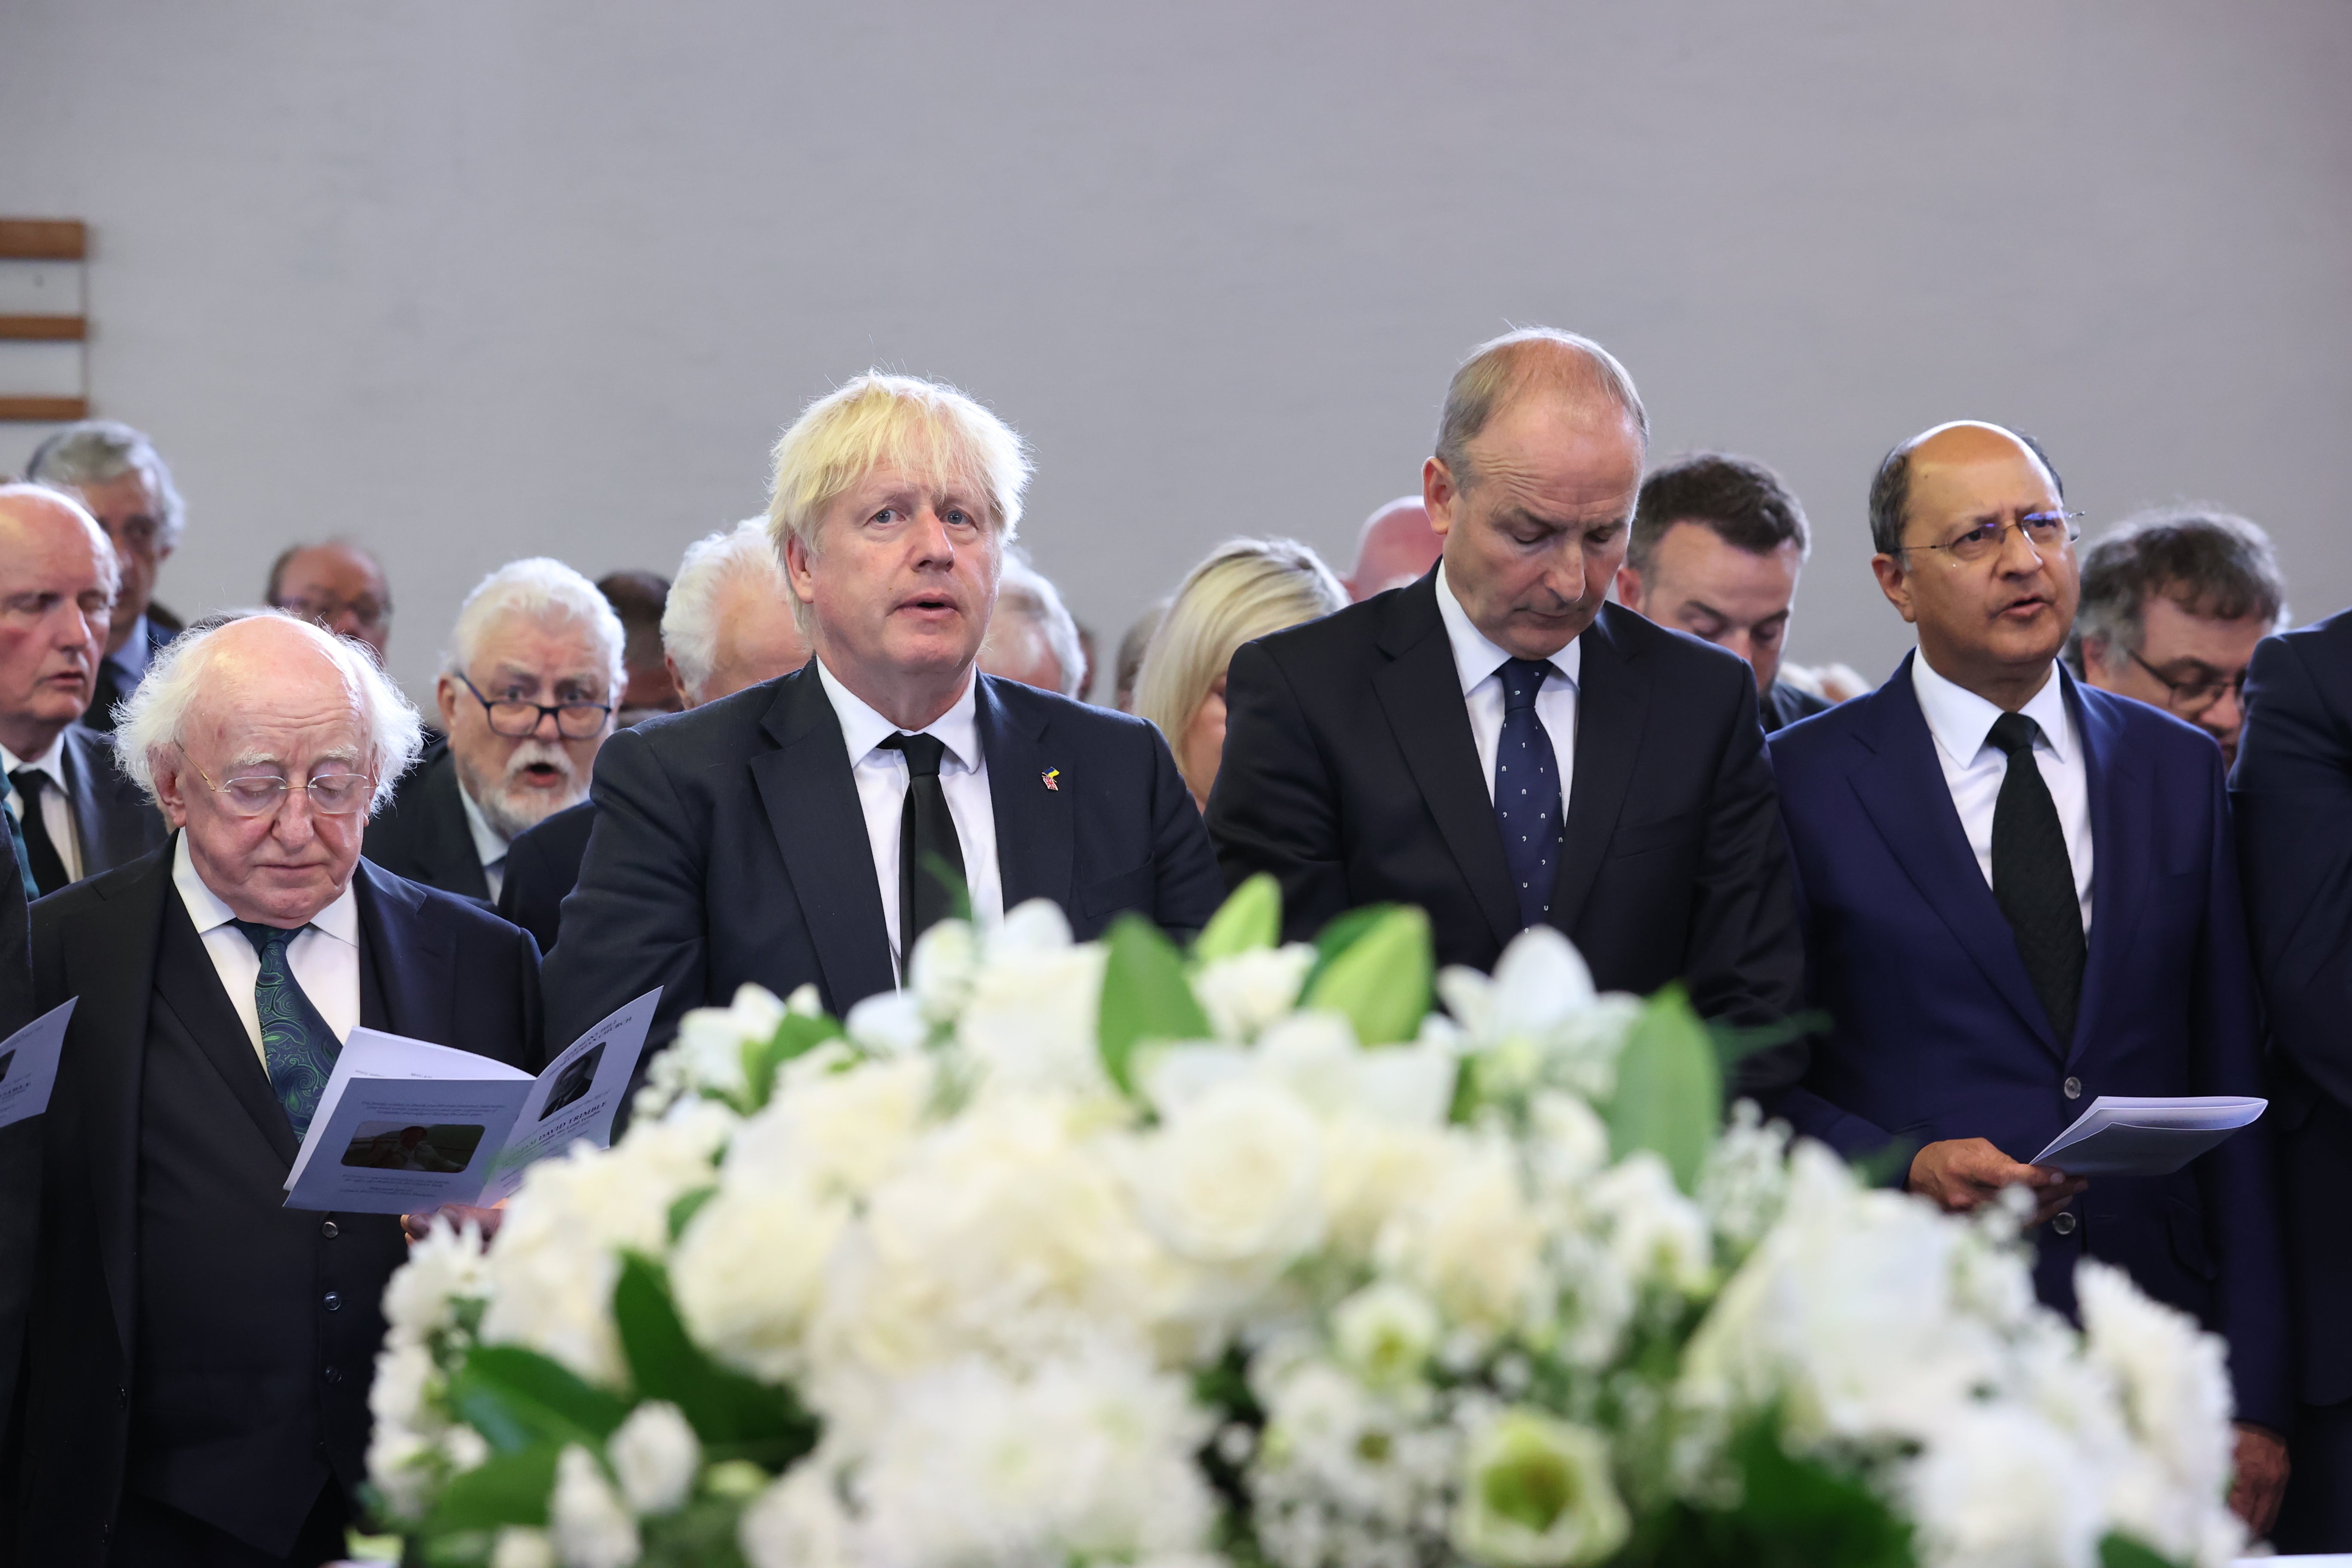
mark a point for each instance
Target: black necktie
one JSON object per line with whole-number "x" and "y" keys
{"x": 927, "y": 845}
{"x": 1526, "y": 790}
{"x": 41, "y": 855}
{"x": 2034, "y": 876}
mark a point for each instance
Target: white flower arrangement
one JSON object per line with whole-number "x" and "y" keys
{"x": 1107, "y": 1253}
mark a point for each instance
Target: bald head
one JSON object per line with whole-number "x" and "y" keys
{"x": 58, "y": 582}
{"x": 1582, "y": 383}
{"x": 337, "y": 584}
{"x": 1396, "y": 546}
{"x": 1936, "y": 452}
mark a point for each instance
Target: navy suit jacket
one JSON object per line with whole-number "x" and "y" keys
{"x": 1934, "y": 1030}
{"x": 2291, "y": 794}
{"x": 542, "y": 867}
{"x": 730, "y": 845}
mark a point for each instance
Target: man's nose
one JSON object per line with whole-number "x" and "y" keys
{"x": 1741, "y": 642}
{"x": 2226, "y": 714}
{"x": 931, "y": 538}
{"x": 2019, "y": 556}
{"x": 293, "y": 825}
{"x": 547, "y": 728}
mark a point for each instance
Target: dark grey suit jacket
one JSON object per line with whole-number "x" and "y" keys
{"x": 112, "y": 816}
{"x": 422, "y": 835}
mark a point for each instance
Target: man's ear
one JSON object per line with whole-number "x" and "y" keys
{"x": 445, "y": 697}
{"x": 1629, "y": 589}
{"x": 168, "y": 768}
{"x": 1438, "y": 494}
{"x": 800, "y": 568}
{"x": 1894, "y": 582}
{"x": 677, "y": 683}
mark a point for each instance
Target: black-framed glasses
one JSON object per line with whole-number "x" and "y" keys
{"x": 2199, "y": 692}
{"x": 259, "y": 795}
{"x": 518, "y": 720}
{"x": 2042, "y": 530}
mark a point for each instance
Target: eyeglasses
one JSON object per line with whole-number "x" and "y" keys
{"x": 2199, "y": 692}
{"x": 2042, "y": 530}
{"x": 367, "y": 610}
{"x": 518, "y": 720}
{"x": 259, "y": 794}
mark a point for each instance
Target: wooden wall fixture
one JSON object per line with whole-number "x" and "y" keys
{"x": 43, "y": 309}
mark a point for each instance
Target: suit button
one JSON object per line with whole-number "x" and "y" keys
{"x": 327, "y": 1228}
{"x": 333, "y": 1302}
{"x": 333, "y": 1375}
{"x": 2074, "y": 1086}
{"x": 2063, "y": 1225}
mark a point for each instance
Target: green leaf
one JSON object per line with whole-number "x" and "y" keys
{"x": 1249, "y": 920}
{"x": 2122, "y": 1552}
{"x": 737, "y": 1417}
{"x": 1669, "y": 1096}
{"x": 1383, "y": 979}
{"x": 1792, "y": 1513}
{"x": 505, "y": 1489}
{"x": 1145, "y": 997}
{"x": 682, "y": 1212}
{"x": 517, "y": 1398}
{"x": 798, "y": 1035}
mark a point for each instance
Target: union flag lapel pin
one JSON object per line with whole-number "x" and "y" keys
{"x": 1049, "y": 776}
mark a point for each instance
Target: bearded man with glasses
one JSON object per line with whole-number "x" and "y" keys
{"x": 527, "y": 697}
{"x": 197, "y": 1356}
{"x": 2021, "y": 893}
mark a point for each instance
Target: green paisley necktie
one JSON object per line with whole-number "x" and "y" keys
{"x": 295, "y": 1040}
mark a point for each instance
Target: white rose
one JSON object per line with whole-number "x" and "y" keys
{"x": 1998, "y": 1484}
{"x": 1029, "y": 1020}
{"x": 1373, "y": 1168}
{"x": 709, "y": 1049}
{"x": 1247, "y": 992}
{"x": 1386, "y": 1333}
{"x": 798, "y": 1522}
{"x": 1233, "y": 1178}
{"x": 1657, "y": 1235}
{"x": 655, "y": 1454}
{"x": 590, "y": 1527}
{"x": 1470, "y": 1239}
{"x": 834, "y": 1128}
{"x": 446, "y": 1265}
{"x": 747, "y": 1272}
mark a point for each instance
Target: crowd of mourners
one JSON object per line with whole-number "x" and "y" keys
{"x": 2093, "y": 837}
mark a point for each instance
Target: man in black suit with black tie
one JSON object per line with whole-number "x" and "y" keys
{"x": 1421, "y": 746}
{"x": 197, "y": 1356}
{"x": 808, "y": 829}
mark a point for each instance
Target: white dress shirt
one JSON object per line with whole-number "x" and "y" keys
{"x": 881, "y": 775}
{"x": 56, "y": 805}
{"x": 1477, "y": 660}
{"x": 488, "y": 848}
{"x": 325, "y": 958}
{"x": 1962, "y": 724}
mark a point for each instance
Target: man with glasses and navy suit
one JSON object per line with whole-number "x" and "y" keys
{"x": 2019, "y": 893}
{"x": 197, "y": 1356}
{"x": 534, "y": 671}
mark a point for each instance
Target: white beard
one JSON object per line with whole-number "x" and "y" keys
{"x": 512, "y": 807}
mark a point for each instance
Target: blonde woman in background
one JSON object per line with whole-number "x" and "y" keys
{"x": 1246, "y": 589}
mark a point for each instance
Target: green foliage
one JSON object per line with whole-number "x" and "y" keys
{"x": 1792, "y": 1513}
{"x": 1145, "y": 997}
{"x": 518, "y": 1399}
{"x": 688, "y": 1205}
{"x": 2123, "y": 1552}
{"x": 737, "y": 1417}
{"x": 1379, "y": 972}
{"x": 798, "y": 1035}
{"x": 700, "y": 1535}
{"x": 1250, "y": 920}
{"x": 505, "y": 1489}
{"x": 1669, "y": 1096}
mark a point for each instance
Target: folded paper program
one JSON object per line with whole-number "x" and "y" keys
{"x": 2122, "y": 1135}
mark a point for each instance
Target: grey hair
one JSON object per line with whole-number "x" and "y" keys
{"x": 713, "y": 564}
{"x": 2211, "y": 562}
{"x": 1500, "y": 368}
{"x": 542, "y": 589}
{"x": 153, "y": 716}
{"x": 97, "y": 450}
{"x": 1024, "y": 593}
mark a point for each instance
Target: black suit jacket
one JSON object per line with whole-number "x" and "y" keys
{"x": 422, "y": 835}
{"x": 2291, "y": 795}
{"x": 1351, "y": 773}
{"x": 162, "y": 626}
{"x": 112, "y": 816}
{"x": 20, "y": 1186}
{"x": 542, "y": 868}
{"x": 1785, "y": 704}
{"x": 730, "y": 845}
{"x": 249, "y": 1393}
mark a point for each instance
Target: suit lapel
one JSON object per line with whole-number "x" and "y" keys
{"x": 187, "y": 983}
{"x": 1035, "y": 847}
{"x": 811, "y": 799}
{"x": 1612, "y": 709}
{"x": 1419, "y": 689}
{"x": 449, "y": 849}
{"x": 1901, "y": 787}
{"x": 81, "y": 795}
{"x": 2120, "y": 796}
{"x": 409, "y": 961}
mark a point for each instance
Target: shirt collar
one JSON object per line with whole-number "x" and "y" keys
{"x": 339, "y": 919}
{"x": 51, "y": 761}
{"x": 132, "y": 655}
{"x": 862, "y": 729}
{"x": 1475, "y": 658}
{"x": 1962, "y": 721}
{"x": 488, "y": 848}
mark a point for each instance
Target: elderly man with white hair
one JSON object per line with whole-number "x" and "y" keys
{"x": 808, "y": 831}
{"x": 1032, "y": 638}
{"x": 728, "y": 625}
{"x": 534, "y": 672}
{"x": 198, "y": 1355}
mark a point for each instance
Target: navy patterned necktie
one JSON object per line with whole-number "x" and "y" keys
{"x": 2034, "y": 876}
{"x": 1526, "y": 790}
{"x": 295, "y": 1042}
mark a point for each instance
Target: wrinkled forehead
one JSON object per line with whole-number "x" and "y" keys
{"x": 292, "y": 711}
{"x": 917, "y": 456}
{"x": 549, "y": 642}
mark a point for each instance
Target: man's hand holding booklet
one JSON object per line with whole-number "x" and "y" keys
{"x": 2122, "y": 1135}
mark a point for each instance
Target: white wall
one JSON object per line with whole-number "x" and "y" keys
{"x": 471, "y": 280}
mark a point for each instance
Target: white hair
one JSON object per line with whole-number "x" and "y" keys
{"x": 541, "y": 589}
{"x": 1024, "y": 593}
{"x": 715, "y": 562}
{"x": 95, "y": 452}
{"x": 152, "y": 716}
